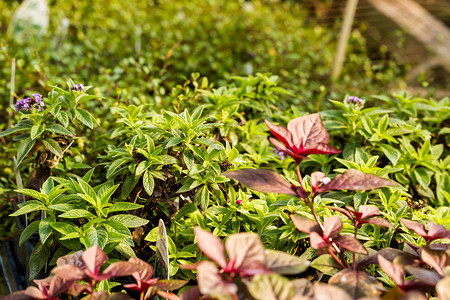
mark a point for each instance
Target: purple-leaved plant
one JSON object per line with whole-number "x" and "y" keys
{"x": 303, "y": 136}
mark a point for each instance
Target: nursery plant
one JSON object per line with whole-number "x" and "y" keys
{"x": 175, "y": 165}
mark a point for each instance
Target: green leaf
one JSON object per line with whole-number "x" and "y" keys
{"x": 53, "y": 146}
{"x": 38, "y": 259}
{"x": 114, "y": 167}
{"x": 63, "y": 118}
{"x": 129, "y": 221}
{"x": 90, "y": 200}
{"x": 114, "y": 226}
{"x": 30, "y": 206}
{"x": 188, "y": 159}
{"x": 17, "y": 128}
{"x": 202, "y": 197}
{"x": 277, "y": 286}
{"x": 87, "y": 189}
{"x": 32, "y": 193}
{"x": 106, "y": 195}
{"x": 142, "y": 167}
{"x": 77, "y": 213}
{"x": 61, "y": 207}
{"x": 124, "y": 206}
{"x": 28, "y": 232}
{"x": 87, "y": 177}
{"x": 45, "y": 230}
{"x": 97, "y": 236}
{"x": 422, "y": 177}
{"x": 36, "y": 131}
{"x": 149, "y": 183}
{"x": 64, "y": 228}
{"x": 168, "y": 160}
{"x": 56, "y": 128}
{"x": 125, "y": 250}
{"x": 25, "y": 146}
{"x": 391, "y": 153}
{"x": 128, "y": 185}
{"x": 84, "y": 117}
{"x": 326, "y": 264}
{"x": 284, "y": 263}
{"x": 383, "y": 123}
{"x": 173, "y": 141}
{"x": 69, "y": 236}
{"x": 234, "y": 153}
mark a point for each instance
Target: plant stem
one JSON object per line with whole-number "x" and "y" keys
{"x": 354, "y": 254}
{"x": 299, "y": 175}
{"x": 336, "y": 258}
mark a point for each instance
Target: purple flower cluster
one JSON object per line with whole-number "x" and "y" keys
{"x": 356, "y": 100}
{"x": 77, "y": 87}
{"x": 34, "y": 101}
{"x": 280, "y": 153}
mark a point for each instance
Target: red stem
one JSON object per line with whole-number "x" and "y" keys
{"x": 299, "y": 175}
{"x": 336, "y": 258}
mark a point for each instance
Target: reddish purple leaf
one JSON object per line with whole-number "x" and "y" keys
{"x": 358, "y": 284}
{"x": 76, "y": 289}
{"x": 328, "y": 291}
{"x": 245, "y": 254}
{"x": 368, "y": 211}
{"x": 415, "y": 226}
{"x": 355, "y": 180}
{"x": 191, "y": 293}
{"x": 210, "y": 280}
{"x": 316, "y": 179}
{"x": 438, "y": 260}
{"x": 390, "y": 254}
{"x": 94, "y": 258}
{"x": 332, "y": 226}
{"x": 20, "y": 295}
{"x": 378, "y": 221}
{"x": 394, "y": 271}
{"x": 304, "y": 135}
{"x": 119, "y": 296}
{"x": 168, "y": 295}
{"x": 74, "y": 259}
{"x": 69, "y": 272}
{"x": 211, "y": 246}
{"x": 281, "y": 133}
{"x": 314, "y": 148}
{"x": 436, "y": 231}
{"x": 144, "y": 274}
{"x": 261, "y": 180}
{"x": 350, "y": 243}
{"x": 122, "y": 268}
{"x": 59, "y": 285}
{"x": 428, "y": 277}
{"x": 443, "y": 288}
{"x": 317, "y": 241}
{"x": 305, "y": 225}
{"x": 284, "y": 263}
{"x": 308, "y": 129}
{"x": 343, "y": 211}
{"x": 34, "y": 293}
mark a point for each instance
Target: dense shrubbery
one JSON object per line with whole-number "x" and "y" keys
{"x": 99, "y": 167}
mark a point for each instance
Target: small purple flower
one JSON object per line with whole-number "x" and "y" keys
{"x": 239, "y": 202}
{"x": 280, "y": 153}
{"x": 356, "y": 100}
{"x": 77, "y": 87}
{"x": 34, "y": 101}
